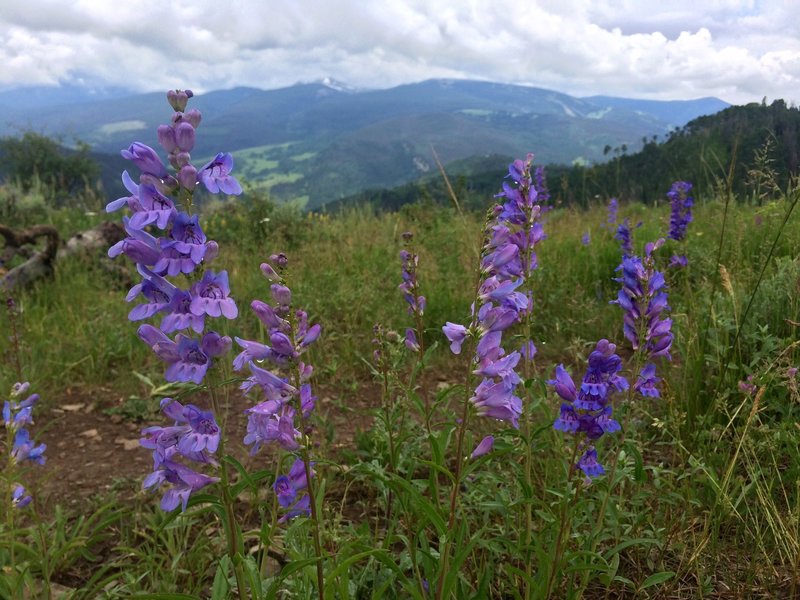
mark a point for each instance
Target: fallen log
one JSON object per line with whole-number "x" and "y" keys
{"x": 41, "y": 263}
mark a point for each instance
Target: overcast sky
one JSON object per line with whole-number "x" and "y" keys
{"x": 737, "y": 50}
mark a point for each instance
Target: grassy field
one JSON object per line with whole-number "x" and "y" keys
{"x": 703, "y": 500}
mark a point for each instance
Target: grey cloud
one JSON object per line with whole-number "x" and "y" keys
{"x": 736, "y": 49}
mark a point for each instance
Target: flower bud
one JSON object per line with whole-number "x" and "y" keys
{"x": 166, "y": 137}
{"x": 188, "y": 177}
{"x": 212, "y": 251}
{"x": 280, "y": 259}
{"x": 281, "y": 294}
{"x": 193, "y": 117}
{"x": 178, "y": 98}
{"x": 184, "y": 136}
{"x": 484, "y": 447}
{"x": 182, "y": 159}
{"x": 269, "y": 272}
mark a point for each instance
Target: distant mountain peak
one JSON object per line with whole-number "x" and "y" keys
{"x": 335, "y": 84}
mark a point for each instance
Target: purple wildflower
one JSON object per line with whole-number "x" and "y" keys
{"x": 747, "y": 386}
{"x": 188, "y": 238}
{"x": 157, "y": 291}
{"x": 273, "y": 419}
{"x": 19, "y": 499}
{"x": 24, "y": 448}
{"x": 184, "y": 482}
{"x": 681, "y": 204}
{"x": 210, "y": 296}
{"x": 179, "y": 314}
{"x": 187, "y": 358}
{"x": 644, "y": 299}
{"x": 411, "y": 340}
{"x": 678, "y": 261}
{"x": 589, "y": 465}
{"x": 141, "y": 247}
{"x": 146, "y": 159}
{"x": 587, "y": 410}
{"x": 484, "y": 447}
{"x": 613, "y": 209}
{"x": 508, "y": 258}
{"x": 288, "y": 489}
{"x": 623, "y": 235}
{"x": 216, "y": 175}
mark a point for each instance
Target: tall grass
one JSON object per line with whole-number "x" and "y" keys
{"x": 703, "y": 473}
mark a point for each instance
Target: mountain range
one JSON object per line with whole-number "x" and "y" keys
{"x": 314, "y": 143}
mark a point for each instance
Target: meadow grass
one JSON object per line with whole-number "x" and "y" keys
{"x": 705, "y": 498}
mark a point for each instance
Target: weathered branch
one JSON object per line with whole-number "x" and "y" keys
{"x": 41, "y": 263}
{"x": 38, "y": 265}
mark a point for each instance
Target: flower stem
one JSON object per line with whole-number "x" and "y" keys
{"x": 445, "y": 555}
{"x": 565, "y": 509}
{"x": 231, "y": 528}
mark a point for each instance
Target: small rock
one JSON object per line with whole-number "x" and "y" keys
{"x": 115, "y": 419}
{"x": 72, "y": 407}
{"x": 127, "y": 444}
{"x": 89, "y": 433}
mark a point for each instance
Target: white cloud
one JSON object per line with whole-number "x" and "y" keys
{"x": 739, "y": 50}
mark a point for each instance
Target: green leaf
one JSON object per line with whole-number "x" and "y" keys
{"x": 165, "y": 596}
{"x": 656, "y": 579}
{"x": 220, "y": 587}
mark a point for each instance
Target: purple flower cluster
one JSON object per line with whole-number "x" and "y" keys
{"x": 17, "y": 415}
{"x": 179, "y": 250}
{"x": 291, "y": 490}
{"x": 643, "y": 297}
{"x": 613, "y": 210}
{"x": 587, "y": 411}
{"x": 194, "y": 436}
{"x": 624, "y": 237}
{"x": 681, "y": 204}
{"x": 508, "y": 258}
{"x": 283, "y": 399}
{"x": 409, "y": 261}
{"x": 540, "y": 183}
{"x": 681, "y": 215}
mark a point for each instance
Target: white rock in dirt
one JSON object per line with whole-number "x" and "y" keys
{"x": 127, "y": 444}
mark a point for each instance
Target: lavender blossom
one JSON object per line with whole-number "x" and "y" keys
{"x": 187, "y": 359}
{"x": 216, "y": 176}
{"x": 484, "y": 447}
{"x": 273, "y": 419}
{"x": 146, "y": 159}
{"x": 210, "y": 296}
{"x": 643, "y": 297}
{"x": 180, "y": 249}
{"x": 184, "y": 482}
{"x": 623, "y": 235}
{"x": 678, "y": 262}
{"x": 17, "y": 416}
{"x": 586, "y": 411}
{"x": 19, "y": 498}
{"x": 288, "y": 488}
{"x": 681, "y": 214}
{"x": 613, "y": 210}
{"x": 508, "y": 258}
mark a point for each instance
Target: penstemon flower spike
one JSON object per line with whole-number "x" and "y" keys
{"x": 508, "y": 257}
{"x": 680, "y": 216}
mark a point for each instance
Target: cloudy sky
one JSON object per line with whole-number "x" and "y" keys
{"x": 737, "y": 50}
